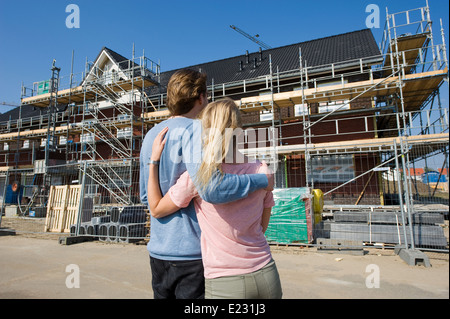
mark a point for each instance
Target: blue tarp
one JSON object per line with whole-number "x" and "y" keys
{"x": 432, "y": 177}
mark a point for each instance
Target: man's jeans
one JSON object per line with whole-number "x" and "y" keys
{"x": 174, "y": 279}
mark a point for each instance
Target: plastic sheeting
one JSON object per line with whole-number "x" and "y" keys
{"x": 291, "y": 220}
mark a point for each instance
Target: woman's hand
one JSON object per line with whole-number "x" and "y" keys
{"x": 270, "y": 176}
{"x": 158, "y": 145}
{"x": 159, "y": 206}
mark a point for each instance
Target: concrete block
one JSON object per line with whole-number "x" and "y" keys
{"x": 351, "y": 247}
{"x": 100, "y": 220}
{"x": 92, "y": 230}
{"x": 424, "y": 235}
{"x": 74, "y": 239}
{"x": 7, "y": 232}
{"x": 11, "y": 211}
{"x": 413, "y": 257}
{"x": 103, "y": 232}
{"x": 108, "y": 232}
{"x": 113, "y": 232}
{"x": 129, "y": 233}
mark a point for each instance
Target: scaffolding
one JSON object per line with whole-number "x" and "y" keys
{"x": 118, "y": 91}
{"x": 402, "y": 84}
{"x": 405, "y": 123}
{"x": 100, "y": 123}
{"x": 403, "y": 90}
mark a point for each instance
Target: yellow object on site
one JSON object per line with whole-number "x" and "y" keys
{"x": 317, "y": 205}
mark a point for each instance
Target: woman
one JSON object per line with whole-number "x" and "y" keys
{"x": 236, "y": 256}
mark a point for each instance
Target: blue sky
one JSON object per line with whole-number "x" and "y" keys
{"x": 176, "y": 33}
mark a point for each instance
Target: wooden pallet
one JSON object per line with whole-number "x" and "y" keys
{"x": 62, "y": 208}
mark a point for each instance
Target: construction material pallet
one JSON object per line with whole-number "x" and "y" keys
{"x": 424, "y": 235}
{"x": 62, "y": 208}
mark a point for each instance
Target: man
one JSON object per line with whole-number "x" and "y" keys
{"x": 174, "y": 246}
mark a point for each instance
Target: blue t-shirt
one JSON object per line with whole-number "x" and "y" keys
{"x": 177, "y": 236}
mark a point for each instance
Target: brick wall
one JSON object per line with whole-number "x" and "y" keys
{"x": 347, "y": 194}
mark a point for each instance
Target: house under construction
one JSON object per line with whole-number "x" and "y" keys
{"x": 341, "y": 114}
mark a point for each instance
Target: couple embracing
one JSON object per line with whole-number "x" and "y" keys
{"x": 208, "y": 214}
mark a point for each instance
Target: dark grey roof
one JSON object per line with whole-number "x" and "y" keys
{"x": 13, "y": 114}
{"x": 27, "y": 112}
{"x": 334, "y": 49}
{"x": 116, "y": 56}
{"x": 122, "y": 61}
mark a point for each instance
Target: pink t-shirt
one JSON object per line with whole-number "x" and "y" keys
{"x": 232, "y": 240}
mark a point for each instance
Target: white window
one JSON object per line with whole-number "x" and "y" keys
{"x": 89, "y": 123}
{"x": 300, "y": 109}
{"x": 332, "y": 83}
{"x": 124, "y": 132}
{"x": 332, "y": 168}
{"x": 87, "y": 138}
{"x": 326, "y": 107}
{"x": 62, "y": 140}
{"x": 107, "y": 74}
{"x": 89, "y": 106}
{"x": 53, "y": 141}
{"x": 123, "y": 117}
{"x": 265, "y": 116}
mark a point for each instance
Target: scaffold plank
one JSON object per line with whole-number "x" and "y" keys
{"x": 77, "y": 94}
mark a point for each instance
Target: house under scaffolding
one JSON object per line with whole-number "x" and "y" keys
{"x": 340, "y": 114}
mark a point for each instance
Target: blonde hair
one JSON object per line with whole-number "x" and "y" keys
{"x": 220, "y": 119}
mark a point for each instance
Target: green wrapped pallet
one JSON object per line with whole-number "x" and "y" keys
{"x": 291, "y": 220}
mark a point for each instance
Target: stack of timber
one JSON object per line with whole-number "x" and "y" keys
{"x": 385, "y": 227}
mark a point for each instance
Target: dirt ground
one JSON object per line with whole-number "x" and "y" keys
{"x": 33, "y": 267}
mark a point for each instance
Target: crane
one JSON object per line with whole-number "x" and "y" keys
{"x": 9, "y": 104}
{"x": 245, "y": 34}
